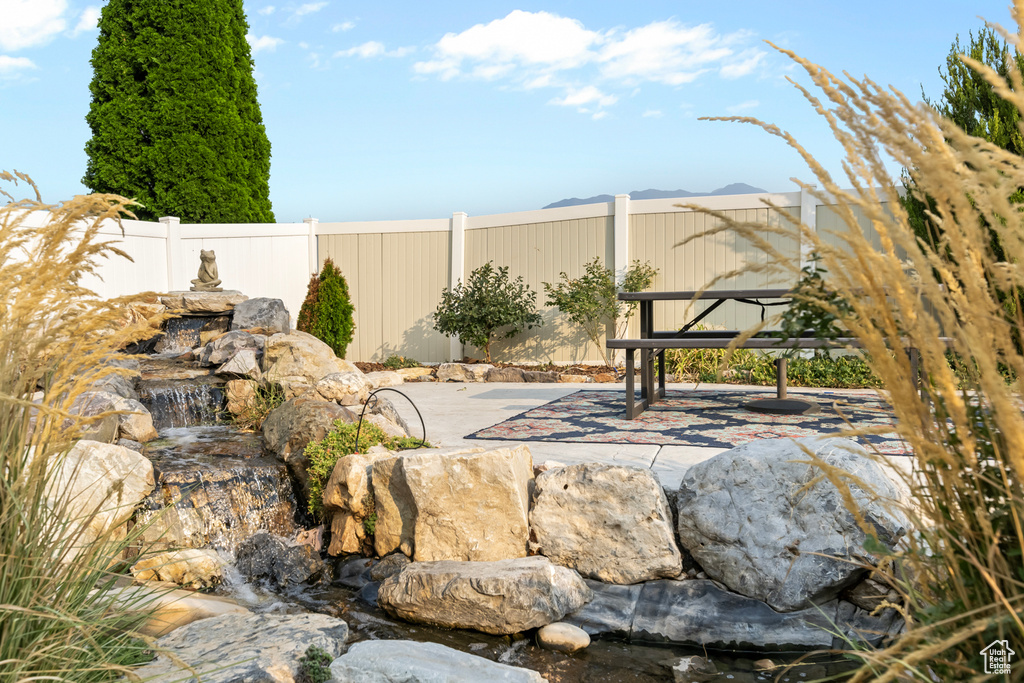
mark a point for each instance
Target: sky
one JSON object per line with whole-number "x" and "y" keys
{"x": 409, "y": 109}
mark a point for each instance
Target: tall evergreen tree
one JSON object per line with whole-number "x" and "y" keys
{"x": 175, "y": 119}
{"x": 970, "y": 101}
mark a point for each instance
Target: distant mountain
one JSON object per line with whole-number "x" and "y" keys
{"x": 734, "y": 188}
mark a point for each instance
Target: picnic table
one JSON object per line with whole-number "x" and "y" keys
{"x": 653, "y": 343}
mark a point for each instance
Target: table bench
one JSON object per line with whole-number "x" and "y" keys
{"x": 652, "y": 344}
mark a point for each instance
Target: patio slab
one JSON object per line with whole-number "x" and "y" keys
{"x": 451, "y": 410}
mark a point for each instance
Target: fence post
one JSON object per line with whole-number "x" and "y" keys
{"x": 809, "y": 217}
{"x": 457, "y": 261}
{"x": 173, "y": 247}
{"x": 314, "y": 258}
{"x": 620, "y": 230}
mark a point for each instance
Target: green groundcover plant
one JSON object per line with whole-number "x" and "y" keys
{"x": 341, "y": 441}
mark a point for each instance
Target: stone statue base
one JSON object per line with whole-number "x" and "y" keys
{"x": 200, "y": 288}
{"x": 202, "y": 302}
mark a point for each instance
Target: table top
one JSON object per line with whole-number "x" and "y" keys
{"x": 710, "y": 294}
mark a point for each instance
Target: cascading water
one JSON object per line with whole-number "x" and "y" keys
{"x": 215, "y": 490}
{"x": 183, "y": 403}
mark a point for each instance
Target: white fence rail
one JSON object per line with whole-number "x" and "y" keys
{"x": 397, "y": 269}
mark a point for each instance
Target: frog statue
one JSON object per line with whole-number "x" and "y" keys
{"x": 207, "y": 280}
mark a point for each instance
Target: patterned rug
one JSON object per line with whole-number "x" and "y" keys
{"x": 708, "y": 418}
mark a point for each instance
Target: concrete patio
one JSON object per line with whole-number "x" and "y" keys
{"x": 453, "y": 410}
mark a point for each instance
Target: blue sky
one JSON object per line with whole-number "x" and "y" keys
{"x": 394, "y": 110}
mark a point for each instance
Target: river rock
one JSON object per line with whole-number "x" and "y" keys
{"x": 384, "y": 378}
{"x": 454, "y": 505}
{"x": 293, "y": 424}
{"x": 95, "y": 488}
{"x": 346, "y": 388}
{"x": 266, "y": 557}
{"x": 192, "y": 568}
{"x": 263, "y": 313}
{"x": 381, "y": 405}
{"x": 698, "y": 612}
{"x": 223, "y": 348}
{"x": 502, "y": 597}
{"x": 388, "y": 566}
{"x": 203, "y": 302}
{"x": 504, "y": 375}
{"x": 405, "y": 661}
{"x": 236, "y": 647}
{"x": 462, "y": 372}
{"x": 768, "y": 525}
{"x": 562, "y": 637}
{"x": 607, "y": 522}
{"x": 298, "y": 357}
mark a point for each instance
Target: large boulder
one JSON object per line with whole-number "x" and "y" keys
{"x": 293, "y": 424}
{"x": 345, "y": 388}
{"x": 403, "y": 661}
{"x": 191, "y": 567}
{"x": 503, "y": 597}
{"x": 95, "y": 488}
{"x": 165, "y": 610}
{"x": 134, "y": 420}
{"x": 269, "y": 315}
{"x": 243, "y": 364}
{"x": 770, "y": 525}
{"x": 298, "y": 357}
{"x": 265, "y": 557}
{"x": 384, "y": 378}
{"x": 348, "y": 499}
{"x": 698, "y": 612}
{"x": 223, "y": 348}
{"x": 239, "y": 647}
{"x": 454, "y": 504}
{"x": 607, "y": 522}
{"x": 463, "y": 372}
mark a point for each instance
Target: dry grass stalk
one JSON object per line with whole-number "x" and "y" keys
{"x": 966, "y": 568}
{"x": 56, "y": 620}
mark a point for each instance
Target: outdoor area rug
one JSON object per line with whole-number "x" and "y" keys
{"x": 708, "y": 418}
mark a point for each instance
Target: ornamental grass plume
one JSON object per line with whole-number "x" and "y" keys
{"x": 961, "y": 575}
{"x": 58, "y": 620}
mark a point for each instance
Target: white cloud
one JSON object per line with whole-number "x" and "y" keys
{"x": 87, "y": 21}
{"x": 258, "y": 44}
{"x": 266, "y": 11}
{"x": 373, "y": 48}
{"x": 309, "y": 8}
{"x": 743, "y": 106}
{"x": 653, "y": 114}
{"x": 26, "y": 23}
{"x": 584, "y": 96}
{"x": 368, "y": 49}
{"x": 343, "y": 26}
{"x": 532, "y": 50}
{"x": 598, "y": 115}
{"x": 13, "y": 67}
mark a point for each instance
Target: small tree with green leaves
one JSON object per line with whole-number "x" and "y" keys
{"x": 591, "y": 300}
{"x": 327, "y": 312}
{"x": 489, "y": 301}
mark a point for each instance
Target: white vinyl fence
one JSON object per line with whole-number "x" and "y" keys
{"x": 396, "y": 270}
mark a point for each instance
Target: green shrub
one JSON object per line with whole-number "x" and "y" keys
{"x": 591, "y": 300}
{"x": 474, "y": 311}
{"x": 327, "y": 311}
{"x": 398, "y": 362}
{"x": 315, "y": 665}
{"x": 324, "y": 454}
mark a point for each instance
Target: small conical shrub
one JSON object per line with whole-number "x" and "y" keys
{"x": 327, "y": 312}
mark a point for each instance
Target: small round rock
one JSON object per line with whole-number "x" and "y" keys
{"x": 562, "y": 637}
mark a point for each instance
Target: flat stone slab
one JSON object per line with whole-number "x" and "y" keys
{"x": 400, "y": 661}
{"x": 203, "y": 302}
